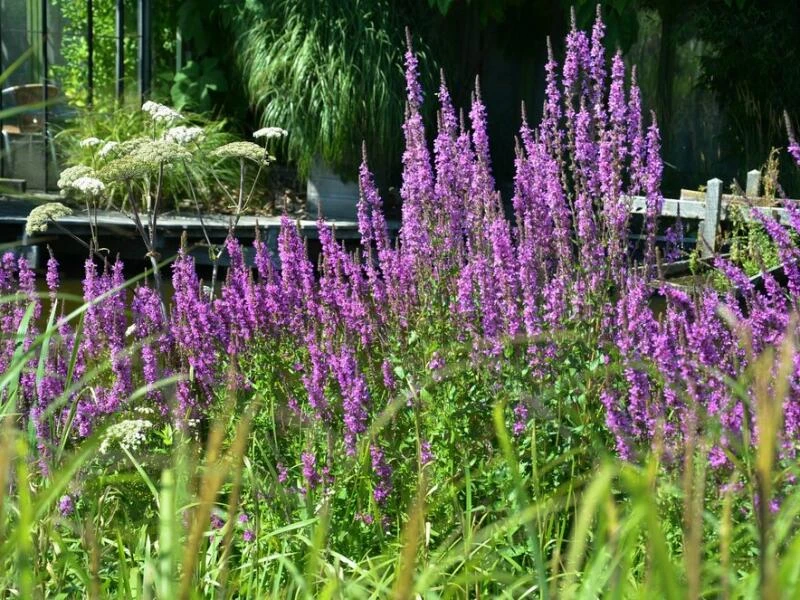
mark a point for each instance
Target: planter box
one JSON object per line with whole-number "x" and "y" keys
{"x": 329, "y": 195}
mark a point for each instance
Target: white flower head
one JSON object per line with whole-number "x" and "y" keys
{"x": 183, "y": 135}
{"x": 70, "y": 174}
{"x": 130, "y": 434}
{"x": 91, "y": 186}
{"x": 161, "y": 113}
{"x": 124, "y": 169}
{"x": 155, "y": 152}
{"x": 270, "y": 133}
{"x": 89, "y": 142}
{"x": 106, "y": 149}
{"x": 41, "y": 216}
{"x": 242, "y": 150}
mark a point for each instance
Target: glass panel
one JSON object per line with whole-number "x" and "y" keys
{"x": 27, "y": 150}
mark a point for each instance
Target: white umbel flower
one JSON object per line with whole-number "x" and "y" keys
{"x": 88, "y": 185}
{"x": 242, "y": 150}
{"x": 183, "y": 135}
{"x": 130, "y": 434}
{"x": 107, "y": 147}
{"x": 161, "y": 113}
{"x": 70, "y": 174}
{"x": 270, "y": 133}
{"x": 41, "y": 216}
{"x": 89, "y": 142}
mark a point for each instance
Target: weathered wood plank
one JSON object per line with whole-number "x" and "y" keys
{"x": 753, "y": 187}
{"x": 713, "y": 205}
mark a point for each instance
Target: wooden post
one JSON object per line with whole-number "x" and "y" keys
{"x": 753, "y": 184}
{"x": 708, "y": 230}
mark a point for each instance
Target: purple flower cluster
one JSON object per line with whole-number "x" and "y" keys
{"x": 494, "y": 283}
{"x": 383, "y": 475}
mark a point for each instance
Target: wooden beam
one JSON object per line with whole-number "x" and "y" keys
{"x": 708, "y": 230}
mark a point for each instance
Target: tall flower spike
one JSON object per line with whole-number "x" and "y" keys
{"x": 652, "y": 187}
{"x": 635, "y": 134}
{"x": 413, "y": 87}
{"x": 551, "y": 115}
{"x": 418, "y": 184}
{"x": 597, "y": 67}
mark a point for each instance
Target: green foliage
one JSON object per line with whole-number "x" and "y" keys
{"x": 71, "y": 74}
{"x": 196, "y": 83}
{"x": 330, "y": 73}
{"x": 201, "y": 83}
{"x": 751, "y": 246}
{"x": 209, "y": 177}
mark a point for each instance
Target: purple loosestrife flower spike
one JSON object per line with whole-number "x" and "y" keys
{"x": 520, "y": 419}
{"x": 297, "y": 278}
{"x": 597, "y": 68}
{"x": 417, "y": 190}
{"x": 426, "y": 456}
{"x": 551, "y": 118}
{"x": 355, "y": 396}
{"x": 199, "y": 332}
{"x": 635, "y": 137}
{"x": 316, "y": 378}
{"x": 152, "y": 331}
{"x": 383, "y": 474}
{"x": 388, "y": 376}
{"x": 483, "y": 195}
{"x": 52, "y": 278}
{"x": 310, "y": 473}
{"x": 450, "y": 187}
{"x": 652, "y": 186}
{"x": 66, "y": 505}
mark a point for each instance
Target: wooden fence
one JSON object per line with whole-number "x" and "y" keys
{"x": 712, "y": 207}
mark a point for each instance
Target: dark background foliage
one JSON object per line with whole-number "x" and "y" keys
{"x": 718, "y": 73}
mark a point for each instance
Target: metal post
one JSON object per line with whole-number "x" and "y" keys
{"x": 120, "y": 67}
{"x": 753, "y": 184}
{"x": 708, "y": 232}
{"x": 144, "y": 26}
{"x": 90, "y": 53}
{"x": 45, "y": 68}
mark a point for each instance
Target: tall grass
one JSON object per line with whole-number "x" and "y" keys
{"x": 328, "y": 73}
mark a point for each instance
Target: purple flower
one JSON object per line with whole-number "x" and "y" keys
{"x": 388, "y": 376}
{"x": 365, "y": 518}
{"x": 383, "y": 474}
{"x": 520, "y": 419}
{"x": 283, "y": 473}
{"x": 52, "y": 276}
{"x": 425, "y": 452}
{"x": 66, "y": 506}
{"x": 310, "y": 470}
{"x": 355, "y": 396}
{"x": 248, "y": 535}
{"x": 216, "y": 521}
{"x": 436, "y": 362}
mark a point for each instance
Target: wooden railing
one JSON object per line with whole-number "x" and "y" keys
{"x": 712, "y": 206}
